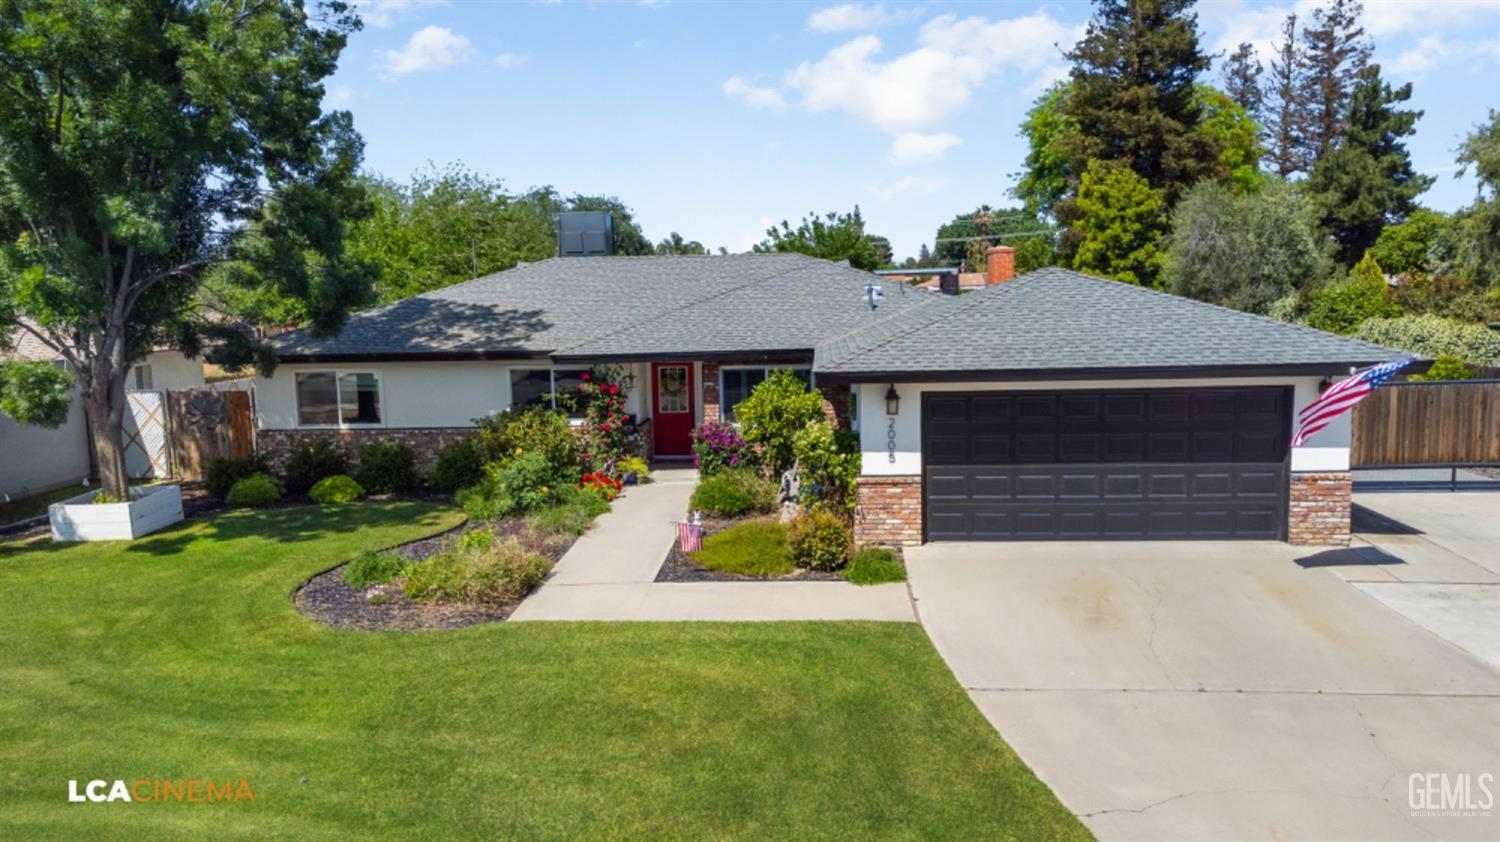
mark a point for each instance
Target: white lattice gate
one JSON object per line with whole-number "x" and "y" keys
{"x": 147, "y": 452}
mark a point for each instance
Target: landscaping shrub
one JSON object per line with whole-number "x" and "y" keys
{"x": 458, "y": 465}
{"x": 872, "y": 565}
{"x": 257, "y": 490}
{"x": 830, "y": 463}
{"x": 336, "y": 491}
{"x": 310, "y": 461}
{"x": 573, "y": 514}
{"x": 757, "y": 548}
{"x": 734, "y": 493}
{"x": 386, "y": 467}
{"x": 1434, "y": 336}
{"x": 602, "y": 484}
{"x": 633, "y": 467}
{"x": 372, "y": 568}
{"x": 521, "y": 484}
{"x": 1341, "y": 307}
{"x": 220, "y": 475}
{"x": 603, "y": 439}
{"x": 777, "y": 409}
{"x": 514, "y": 432}
{"x": 819, "y": 539}
{"x": 475, "y": 571}
{"x": 718, "y": 446}
{"x": 1445, "y": 367}
{"x": 484, "y": 501}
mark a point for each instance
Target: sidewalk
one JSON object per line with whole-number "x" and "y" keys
{"x": 609, "y": 575}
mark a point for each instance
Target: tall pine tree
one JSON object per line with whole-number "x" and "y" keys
{"x": 1241, "y": 72}
{"x": 1132, "y": 93}
{"x": 1334, "y": 54}
{"x": 1367, "y": 180}
{"x": 1285, "y": 118}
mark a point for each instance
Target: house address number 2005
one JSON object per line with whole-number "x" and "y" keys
{"x": 890, "y": 439}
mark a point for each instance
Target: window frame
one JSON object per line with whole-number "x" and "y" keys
{"x": 338, "y": 398}
{"x": 142, "y": 383}
{"x": 726, "y": 412}
{"x": 551, "y": 370}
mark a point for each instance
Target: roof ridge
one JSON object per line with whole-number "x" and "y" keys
{"x": 976, "y": 298}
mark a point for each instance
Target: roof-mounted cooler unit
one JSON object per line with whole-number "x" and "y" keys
{"x": 585, "y": 234}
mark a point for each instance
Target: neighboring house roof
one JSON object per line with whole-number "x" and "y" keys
{"x": 25, "y": 346}
{"x": 621, "y": 307}
{"x": 1059, "y": 323}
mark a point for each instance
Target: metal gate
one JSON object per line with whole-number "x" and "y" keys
{"x": 147, "y": 450}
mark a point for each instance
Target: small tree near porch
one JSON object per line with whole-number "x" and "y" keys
{"x": 144, "y": 146}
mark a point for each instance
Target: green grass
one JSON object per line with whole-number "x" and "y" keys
{"x": 874, "y": 566}
{"x": 25, "y": 508}
{"x": 756, "y": 548}
{"x": 180, "y": 656}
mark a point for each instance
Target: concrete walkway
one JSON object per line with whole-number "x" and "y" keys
{"x": 609, "y": 574}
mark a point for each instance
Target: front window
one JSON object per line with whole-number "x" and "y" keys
{"x": 735, "y": 384}
{"x": 332, "y": 398}
{"x": 142, "y": 376}
{"x": 553, "y": 387}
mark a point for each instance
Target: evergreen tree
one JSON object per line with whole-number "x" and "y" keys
{"x": 1334, "y": 54}
{"x": 1120, "y": 223}
{"x": 1367, "y": 180}
{"x": 1284, "y": 115}
{"x": 1241, "y": 74}
{"x": 1132, "y": 93}
{"x": 1477, "y": 227}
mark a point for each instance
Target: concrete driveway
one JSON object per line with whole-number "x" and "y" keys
{"x": 1211, "y": 690}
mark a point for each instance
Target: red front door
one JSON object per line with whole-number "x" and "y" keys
{"x": 672, "y": 408}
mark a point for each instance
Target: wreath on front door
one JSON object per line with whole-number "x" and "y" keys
{"x": 673, "y": 383}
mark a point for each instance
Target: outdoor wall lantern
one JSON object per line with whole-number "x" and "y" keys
{"x": 892, "y": 401}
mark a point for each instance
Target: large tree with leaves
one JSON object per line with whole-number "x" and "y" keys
{"x": 832, "y": 236}
{"x": 1284, "y": 117}
{"x": 1132, "y": 96}
{"x": 958, "y": 239}
{"x": 143, "y": 143}
{"x": 1367, "y": 180}
{"x": 1120, "y": 222}
{"x": 1333, "y": 56}
{"x": 1241, "y": 75}
{"x": 1476, "y": 230}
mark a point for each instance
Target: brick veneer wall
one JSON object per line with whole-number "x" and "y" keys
{"x": 1319, "y": 510}
{"x": 889, "y": 511}
{"x": 711, "y": 409}
{"x": 425, "y": 442}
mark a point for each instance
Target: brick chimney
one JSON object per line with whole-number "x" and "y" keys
{"x": 1000, "y": 265}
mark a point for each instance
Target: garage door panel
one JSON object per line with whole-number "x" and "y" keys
{"x": 1117, "y": 464}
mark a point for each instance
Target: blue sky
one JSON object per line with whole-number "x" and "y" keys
{"x": 716, "y": 120}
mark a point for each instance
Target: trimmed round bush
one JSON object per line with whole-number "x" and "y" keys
{"x": 257, "y": 490}
{"x": 458, "y": 466}
{"x": 819, "y": 539}
{"x": 221, "y": 474}
{"x": 386, "y": 467}
{"x": 336, "y": 491}
{"x": 310, "y": 461}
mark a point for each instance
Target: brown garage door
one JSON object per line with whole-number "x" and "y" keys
{"x": 1117, "y": 464}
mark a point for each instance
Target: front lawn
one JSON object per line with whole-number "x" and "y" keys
{"x": 180, "y": 656}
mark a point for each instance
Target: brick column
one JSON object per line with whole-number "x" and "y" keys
{"x": 836, "y": 403}
{"x": 889, "y": 511}
{"x": 711, "y": 411}
{"x": 1319, "y": 511}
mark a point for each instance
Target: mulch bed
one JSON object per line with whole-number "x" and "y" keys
{"x": 680, "y": 567}
{"x": 329, "y": 600}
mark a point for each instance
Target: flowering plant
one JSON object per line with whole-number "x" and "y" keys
{"x": 717, "y": 445}
{"x": 607, "y": 486}
{"x": 605, "y": 436}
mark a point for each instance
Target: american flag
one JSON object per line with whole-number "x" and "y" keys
{"x": 689, "y": 536}
{"x": 1342, "y": 396}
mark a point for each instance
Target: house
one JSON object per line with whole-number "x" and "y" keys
{"x": 1052, "y": 405}
{"x": 37, "y": 459}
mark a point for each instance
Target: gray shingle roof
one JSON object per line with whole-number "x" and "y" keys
{"x": 615, "y": 306}
{"x": 1058, "y": 320}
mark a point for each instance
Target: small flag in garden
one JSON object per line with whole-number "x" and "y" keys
{"x": 1342, "y": 396}
{"x": 689, "y": 536}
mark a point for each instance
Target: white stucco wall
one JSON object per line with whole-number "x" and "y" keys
{"x": 424, "y": 394}
{"x": 36, "y": 459}
{"x": 171, "y": 370}
{"x": 1326, "y": 451}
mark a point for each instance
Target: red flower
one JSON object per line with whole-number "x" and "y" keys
{"x": 583, "y": 376}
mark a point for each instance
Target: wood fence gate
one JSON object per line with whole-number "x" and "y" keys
{"x": 176, "y": 433}
{"x": 1445, "y": 424}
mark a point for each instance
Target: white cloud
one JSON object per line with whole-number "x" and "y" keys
{"x": 909, "y": 184}
{"x": 917, "y": 90}
{"x": 382, "y": 13}
{"x": 511, "y": 60}
{"x": 852, "y": 16}
{"x": 755, "y": 96}
{"x": 918, "y": 148}
{"x": 337, "y": 97}
{"x": 430, "y": 48}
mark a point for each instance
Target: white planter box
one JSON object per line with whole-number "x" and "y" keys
{"x": 152, "y": 507}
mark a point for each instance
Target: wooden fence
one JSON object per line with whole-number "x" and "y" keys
{"x": 176, "y": 433}
{"x": 1409, "y": 424}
